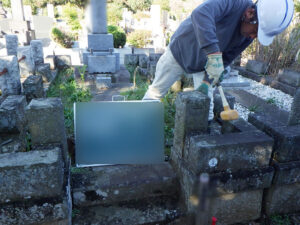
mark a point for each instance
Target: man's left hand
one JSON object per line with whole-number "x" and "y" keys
{"x": 214, "y": 67}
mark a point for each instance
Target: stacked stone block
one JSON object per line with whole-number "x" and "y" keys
{"x": 10, "y": 83}
{"x": 237, "y": 160}
{"x": 147, "y": 64}
{"x": 11, "y": 44}
{"x": 33, "y": 87}
{"x": 99, "y": 56}
{"x": 32, "y": 188}
{"x": 286, "y": 157}
{"x": 13, "y": 124}
{"x": 46, "y": 124}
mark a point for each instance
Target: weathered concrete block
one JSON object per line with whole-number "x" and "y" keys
{"x": 102, "y": 64}
{"x": 143, "y": 72}
{"x": 282, "y": 199}
{"x": 287, "y": 143}
{"x": 233, "y": 151}
{"x": 33, "y": 87}
{"x": 237, "y": 207}
{"x": 131, "y": 59}
{"x": 26, "y": 63}
{"x": 152, "y": 69}
{"x": 294, "y": 117}
{"x": 45, "y": 71}
{"x": 118, "y": 67}
{"x": 218, "y": 105}
{"x": 103, "y": 82}
{"x": 287, "y": 173}
{"x": 12, "y": 114}
{"x": 46, "y": 123}
{"x": 37, "y": 51}
{"x": 123, "y": 183}
{"x": 100, "y": 42}
{"x": 191, "y": 116}
{"x": 11, "y": 44}
{"x": 143, "y": 60}
{"x": 42, "y": 213}
{"x": 10, "y": 83}
{"x": 85, "y": 55}
{"x": 256, "y": 66}
{"x": 154, "y": 57}
{"x": 63, "y": 61}
{"x": 51, "y": 60}
{"x": 238, "y": 125}
{"x": 33, "y": 175}
{"x": 289, "y": 77}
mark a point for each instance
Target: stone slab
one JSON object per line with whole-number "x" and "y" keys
{"x": 103, "y": 82}
{"x": 51, "y": 60}
{"x": 26, "y": 65}
{"x": 237, "y": 207}
{"x": 33, "y": 175}
{"x": 287, "y": 143}
{"x": 63, "y": 61}
{"x": 289, "y": 77}
{"x": 143, "y": 60}
{"x": 33, "y": 87}
{"x": 249, "y": 100}
{"x": 283, "y": 87}
{"x": 42, "y": 213}
{"x": 256, "y": 66}
{"x": 122, "y": 183}
{"x": 37, "y": 51}
{"x": 282, "y": 199}
{"x": 11, "y": 44}
{"x": 131, "y": 59}
{"x": 12, "y": 114}
{"x": 44, "y": 71}
{"x": 85, "y": 55}
{"x": 235, "y": 82}
{"x": 100, "y": 42}
{"x": 46, "y": 124}
{"x": 162, "y": 211}
{"x": 233, "y": 151}
{"x": 238, "y": 125}
{"x": 294, "y": 117}
{"x": 192, "y": 109}
{"x": 287, "y": 173}
{"x": 102, "y": 64}
{"x": 154, "y": 57}
{"x": 10, "y": 83}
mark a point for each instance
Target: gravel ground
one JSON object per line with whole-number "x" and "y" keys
{"x": 282, "y": 100}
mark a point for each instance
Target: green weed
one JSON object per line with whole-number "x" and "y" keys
{"x": 280, "y": 220}
{"x": 254, "y": 108}
{"x": 271, "y": 101}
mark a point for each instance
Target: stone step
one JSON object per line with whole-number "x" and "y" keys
{"x": 31, "y": 175}
{"x": 251, "y": 101}
{"x": 122, "y": 183}
{"x": 125, "y": 194}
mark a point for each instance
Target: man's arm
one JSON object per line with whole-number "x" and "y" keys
{"x": 204, "y": 19}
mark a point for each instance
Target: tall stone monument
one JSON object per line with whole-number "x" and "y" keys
{"x": 99, "y": 56}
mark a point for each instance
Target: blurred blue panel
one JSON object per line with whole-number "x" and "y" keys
{"x": 119, "y": 132}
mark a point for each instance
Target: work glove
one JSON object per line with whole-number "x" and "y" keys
{"x": 203, "y": 88}
{"x": 214, "y": 67}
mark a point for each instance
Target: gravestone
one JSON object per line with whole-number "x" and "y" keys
{"x": 99, "y": 56}
{"x": 11, "y": 44}
{"x": 28, "y": 13}
{"x": 17, "y": 10}
{"x": 50, "y": 10}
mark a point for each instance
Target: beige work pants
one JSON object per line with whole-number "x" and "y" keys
{"x": 168, "y": 71}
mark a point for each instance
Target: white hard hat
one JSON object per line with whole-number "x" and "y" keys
{"x": 274, "y": 16}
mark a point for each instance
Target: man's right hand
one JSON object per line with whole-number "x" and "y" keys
{"x": 214, "y": 67}
{"x": 203, "y": 88}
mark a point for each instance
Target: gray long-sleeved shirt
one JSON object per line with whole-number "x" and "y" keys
{"x": 213, "y": 26}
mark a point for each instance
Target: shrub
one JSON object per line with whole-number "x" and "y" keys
{"x": 139, "y": 38}
{"x": 62, "y": 38}
{"x": 119, "y": 36}
{"x": 71, "y": 14}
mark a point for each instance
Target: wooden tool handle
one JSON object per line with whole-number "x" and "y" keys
{"x": 224, "y": 100}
